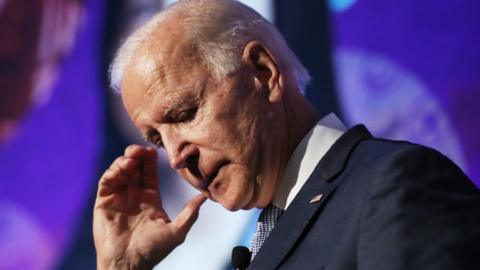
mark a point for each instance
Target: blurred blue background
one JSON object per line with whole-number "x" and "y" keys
{"x": 407, "y": 69}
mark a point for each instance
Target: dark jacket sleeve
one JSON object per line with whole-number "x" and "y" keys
{"x": 421, "y": 212}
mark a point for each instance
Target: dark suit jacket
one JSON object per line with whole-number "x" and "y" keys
{"x": 385, "y": 205}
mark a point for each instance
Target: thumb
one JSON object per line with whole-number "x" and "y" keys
{"x": 185, "y": 219}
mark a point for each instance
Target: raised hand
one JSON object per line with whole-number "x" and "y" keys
{"x": 131, "y": 230}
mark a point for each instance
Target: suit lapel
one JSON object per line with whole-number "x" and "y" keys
{"x": 307, "y": 204}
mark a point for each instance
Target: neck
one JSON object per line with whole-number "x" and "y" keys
{"x": 301, "y": 117}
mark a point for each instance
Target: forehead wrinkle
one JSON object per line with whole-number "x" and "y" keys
{"x": 158, "y": 76}
{"x": 162, "y": 76}
{"x": 170, "y": 66}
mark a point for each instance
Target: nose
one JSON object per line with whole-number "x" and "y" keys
{"x": 180, "y": 151}
{"x": 183, "y": 157}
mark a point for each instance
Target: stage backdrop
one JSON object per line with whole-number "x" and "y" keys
{"x": 410, "y": 70}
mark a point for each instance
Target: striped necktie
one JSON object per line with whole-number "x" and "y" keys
{"x": 266, "y": 221}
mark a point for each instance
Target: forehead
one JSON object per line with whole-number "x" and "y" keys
{"x": 166, "y": 66}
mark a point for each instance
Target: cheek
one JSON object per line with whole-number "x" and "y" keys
{"x": 220, "y": 132}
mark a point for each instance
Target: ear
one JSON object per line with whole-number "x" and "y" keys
{"x": 265, "y": 69}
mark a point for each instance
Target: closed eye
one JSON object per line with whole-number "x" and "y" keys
{"x": 186, "y": 115}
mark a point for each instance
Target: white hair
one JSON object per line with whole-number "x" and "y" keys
{"x": 219, "y": 29}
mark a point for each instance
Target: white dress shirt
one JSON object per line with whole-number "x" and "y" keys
{"x": 306, "y": 157}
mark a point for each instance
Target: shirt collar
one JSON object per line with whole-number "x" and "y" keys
{"x": 306, "y": 157}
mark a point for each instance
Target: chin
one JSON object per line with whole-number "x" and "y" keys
{"x": 235, "y": 203}
{"x": 236, "y": 198}
{"x": 231, "y": 207}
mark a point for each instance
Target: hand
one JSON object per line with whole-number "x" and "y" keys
{"x": 130, "y": 228}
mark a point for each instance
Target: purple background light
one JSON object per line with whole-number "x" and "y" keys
{"x": 49, "y": 168}
{"x": 428, "y": 43}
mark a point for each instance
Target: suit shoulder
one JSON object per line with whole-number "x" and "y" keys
{"x": 383, "y": 149}
{"x": 410, "y": 161}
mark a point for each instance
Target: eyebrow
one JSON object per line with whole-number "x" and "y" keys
{"x": 178, "y": 103}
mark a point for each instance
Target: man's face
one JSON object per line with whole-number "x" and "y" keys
{"x": 219, "y": 135}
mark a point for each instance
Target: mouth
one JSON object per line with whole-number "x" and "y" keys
{"x": 211, "y": 176}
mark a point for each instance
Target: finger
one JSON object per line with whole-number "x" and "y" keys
{"x": 110, "y": 181}
{"x": 112, "y": 176}
{"x": 184, "y": 221}
{"x": 134, "y": 151}
{"x": 115, "y": 176}
{"x": 123, "y": 164}
{"x": 149, "y": 168}
{"x": 127, "y": 167}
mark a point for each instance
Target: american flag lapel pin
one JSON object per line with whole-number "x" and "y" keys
{"x": 316, "y": 198}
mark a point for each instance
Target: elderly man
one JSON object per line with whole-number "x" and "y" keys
{"x": 215, "y": 85}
